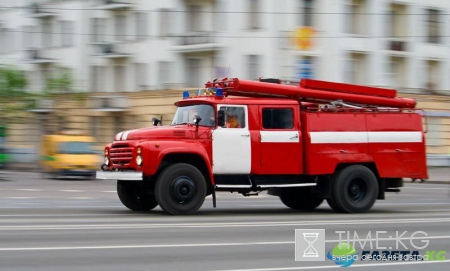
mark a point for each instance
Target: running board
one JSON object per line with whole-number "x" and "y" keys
{"x": 231, "y": 186}
{"x": 287, "y": 185}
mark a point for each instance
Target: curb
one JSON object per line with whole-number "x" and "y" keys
{"x": 429, "y": 182}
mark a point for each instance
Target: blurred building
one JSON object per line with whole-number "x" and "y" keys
{"x": 132, "y": 57}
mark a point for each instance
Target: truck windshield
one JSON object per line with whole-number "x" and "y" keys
{"x": 185, "y": 115}
{"x": 76, "y": 147}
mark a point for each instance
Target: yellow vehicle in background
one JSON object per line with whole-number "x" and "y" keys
{"x": 69, "y": 154}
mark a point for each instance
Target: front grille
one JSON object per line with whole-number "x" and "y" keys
{"x": 121, "y": 154}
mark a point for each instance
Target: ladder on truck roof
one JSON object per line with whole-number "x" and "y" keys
{"x": 313, "y": 91}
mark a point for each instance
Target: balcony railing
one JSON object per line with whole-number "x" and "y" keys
{"x": 194, "y": 38}
{"x": 201, "y": 41}
{"x": 115, "y": 5}
{"x": 38, "y": 56}
{"x": 43, "y": 106}
{"x": 109, "y": 103}
{"x": 112, "y": 50}
{"x": 397, "y": 45}
{"x": 39, "y": 11}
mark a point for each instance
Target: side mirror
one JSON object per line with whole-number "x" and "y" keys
{"x": 221, "y": 118}
{"x": 197, "y": 119}
{"x": 156, "y": 121}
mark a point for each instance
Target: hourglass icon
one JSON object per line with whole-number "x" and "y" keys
{"x": 310, "y": 237}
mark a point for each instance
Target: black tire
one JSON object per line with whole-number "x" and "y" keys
{"x": 354, "y": 190}
{"x": 134, "y": 196}
{"x": 180, "y": 189}
{"x": 300, "y": 198}
{"x": 333, "y": 206}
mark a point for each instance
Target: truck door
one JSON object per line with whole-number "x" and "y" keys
{"x": 231, "y": 143}
{"x": 280, "y": 140}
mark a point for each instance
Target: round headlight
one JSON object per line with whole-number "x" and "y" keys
{"x": 138, "y": 160}
{"x": 106, "y": 152}
{"x": 106, "y": 161}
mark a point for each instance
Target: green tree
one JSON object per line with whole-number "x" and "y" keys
{"x": 61, "y": 87}
{"x": 13, "y": 97}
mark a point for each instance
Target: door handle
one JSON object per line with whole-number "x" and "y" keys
{"x": 398, "y": 150}
{"x": 294, "y": 137}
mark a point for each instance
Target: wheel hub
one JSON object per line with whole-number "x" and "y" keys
{"x": 357, "y": 190}
{"x": 183, "y": 189}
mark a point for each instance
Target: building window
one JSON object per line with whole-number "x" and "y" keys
{"x": 121, "y": 27}
{"x": 277, "y": 118}
{"x": 27, "y": 41}
{"x": 433, "y": 76}
{"x": 434, "y": 134}
{"x": 95, "y": 78}
{"x": 397, "y": 67}
{"x": 98, "y": 29}
{"x": 193, "y": 68}
{"x": 434, "y": 25}
{"x": 119, "y": 78}
{"x": 47, "y": 35}
{"x": 94, "y": 126}
{"x": 141, "y": 76}
{"x": 141, "y": 25}
{"x": 7, "y": 40}
{"x": 255, "y": 14}
{"x": 165, "y": 22}
{"x": 164, "y": 72}
{"x": 195, "y": 18}
{"x": 67, "y": 33}
{"x": 357, "y": 17}
{"x": 398, "y": 21}
{"x": 356, "y": 69}
{"x": 118, "y": 124}
{"x": 307, "y": 13}
{"x": 253, "y": 66}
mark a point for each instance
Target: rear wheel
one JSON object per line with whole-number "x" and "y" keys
{"x": 300, "y": 198}
{"x": 355, "y": 189}
{"x": 334, "y": 206}
{"x": 180, "y": 189}
{"x": 134, "y": 196}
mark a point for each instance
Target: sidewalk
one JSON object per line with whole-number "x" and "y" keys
{"x": 437, "y": 175}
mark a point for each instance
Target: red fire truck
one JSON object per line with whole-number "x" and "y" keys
{"x": 309, "y": 142}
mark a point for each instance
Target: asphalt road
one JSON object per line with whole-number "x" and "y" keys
{"x": 81, "y": 225}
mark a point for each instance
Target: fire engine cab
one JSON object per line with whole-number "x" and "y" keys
{"x": 306, "y": 143}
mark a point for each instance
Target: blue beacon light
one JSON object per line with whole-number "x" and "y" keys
{"x": 185, "y": 94}
{"x": 219, "y": 93}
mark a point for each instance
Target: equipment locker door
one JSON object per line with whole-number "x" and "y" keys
{"x": 231, "y": 144}
{"x": 280, "y": 141}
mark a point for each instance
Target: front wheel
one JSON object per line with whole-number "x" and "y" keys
{"x": 134, "y": 196}
{"x": 354, "y": 190}
{"x": 180, "y": 189}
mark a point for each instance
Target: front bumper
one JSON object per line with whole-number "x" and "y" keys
{"x": 120, "y": 175}
{"x": 77, "y": 172}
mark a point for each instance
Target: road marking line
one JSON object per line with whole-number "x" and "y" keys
{"x": 30, "y": 189}
{"x": 335, "y": 266}
{"x": 225, "y": 225}
{"x": 71, "y": 191}
{"x": 208, "y": 244}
